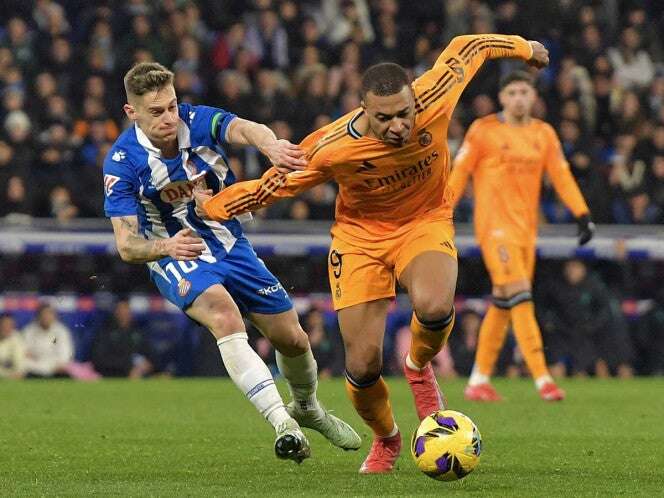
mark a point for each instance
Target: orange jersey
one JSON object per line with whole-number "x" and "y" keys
{"x": 382, "y": 187}
{"x": 507, "y": 163}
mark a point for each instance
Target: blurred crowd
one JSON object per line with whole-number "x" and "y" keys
{"x": 585, "y": 333}
{"x": 296, "y": 65}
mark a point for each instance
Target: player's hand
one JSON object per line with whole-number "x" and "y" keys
{"x": 540, "y": 57}
{"x": 201, "y": 195}
{"x": 184, "y": 245}
{"x": 586, "y": 229}
{"x": 285, "y": 156}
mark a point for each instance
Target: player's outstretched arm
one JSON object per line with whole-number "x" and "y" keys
{"x": 438, "y": 90}
{"x": 133, "y": 248}
{"x": 284, "y": 155}
{"x": 566, "y": 187}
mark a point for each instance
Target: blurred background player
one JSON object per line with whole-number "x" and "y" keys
{"x": 393, "y": 222}
{"x": 506, "y": 154}
{"x": 209, "y": 269}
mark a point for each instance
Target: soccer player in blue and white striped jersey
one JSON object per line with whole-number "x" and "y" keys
{"x": 208, "y": 268}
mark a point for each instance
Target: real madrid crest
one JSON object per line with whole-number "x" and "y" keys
{"x": 424, "y": 138}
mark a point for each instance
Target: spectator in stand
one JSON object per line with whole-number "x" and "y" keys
{"x": 586, "y": 331}
{"x": 656, "y": 186}
{"x": 48, "y": 345}
{"x": 12, "y": 349}
{"x": 633, "y": 66}
{"x": 120, "y": 348}
{"x": 267, "y": 39}
{"x": 325, "y": 343}
{"x": 650, "y": 338}
{"x": 345, "y": 19}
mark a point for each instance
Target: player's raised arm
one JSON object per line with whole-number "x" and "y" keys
{"x": 133, "y": 248}
{"x": 441, "y": 86}
{"x": 566, "y": 187}
{"x": 284, "y": 155}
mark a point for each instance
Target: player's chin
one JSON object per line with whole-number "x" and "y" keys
{"x": 169, "y": 134}
{"x": 396, "y": 142}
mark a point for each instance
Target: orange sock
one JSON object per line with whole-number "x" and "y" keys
{"x": 426, "y": 340}
{"x": 491, "y": 339}
{"x": 529, "y": 338}
{"x": 372, "y": 403}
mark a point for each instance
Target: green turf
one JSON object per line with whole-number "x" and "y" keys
{"x": 201, "y": 438}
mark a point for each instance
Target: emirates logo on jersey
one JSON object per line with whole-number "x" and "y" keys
{"x": 424, "y": 138}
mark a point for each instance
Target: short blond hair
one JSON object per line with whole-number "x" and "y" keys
{"x": 146, "y": 77}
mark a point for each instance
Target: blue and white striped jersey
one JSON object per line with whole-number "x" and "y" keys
{"x": 139, "y": 181}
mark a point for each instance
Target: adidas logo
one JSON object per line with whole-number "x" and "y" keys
{"x": 119, "y": 155}
{"x": 191, "y": 115}
{"x": 366, "y": 166}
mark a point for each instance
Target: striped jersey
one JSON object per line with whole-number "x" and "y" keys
{"x": 382, "y": 188}
{"x": 139, "y": 181}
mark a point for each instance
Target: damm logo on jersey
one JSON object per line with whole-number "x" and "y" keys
{"x": 177, "y": 192}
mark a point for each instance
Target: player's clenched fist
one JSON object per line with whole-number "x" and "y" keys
{"x": 540, "y": 57}
{"x": 184, "y": 245}
{"x": 285, "y": 156}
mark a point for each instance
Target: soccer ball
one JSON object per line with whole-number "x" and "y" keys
{"x": 446, "y": 446}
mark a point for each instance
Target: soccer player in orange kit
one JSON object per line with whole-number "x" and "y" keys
{"x": 393, "y": 220}
{"x": 506, "y": 154}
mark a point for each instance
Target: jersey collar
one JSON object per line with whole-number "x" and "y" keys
{"x": 351, "y": 129}
{"x": 183, "y": 135}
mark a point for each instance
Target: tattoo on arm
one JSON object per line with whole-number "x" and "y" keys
{"x": 133, "y": 248}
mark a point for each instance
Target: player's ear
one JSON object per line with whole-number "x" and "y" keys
{"x": 363, "y": 105}
{"x": 130, "y": 111}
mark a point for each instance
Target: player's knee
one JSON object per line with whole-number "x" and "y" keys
{"x": 223, "y": 323}
{"x": 364, "y": 370}
{"x": 433, "y": 310}
{"x": 512, "y": 300}
{"x": 505, "y": 291}
{"x": 291, "y": 342}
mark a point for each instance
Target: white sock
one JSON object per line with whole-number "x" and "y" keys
{"x": 394, "y": 431}
{"x": 544, "y": 379}
{"x": 410, "y": 364}
{"x": 252, "y": 377}
{"x": 477, "y": 378}
{"x": 301, "y": 373}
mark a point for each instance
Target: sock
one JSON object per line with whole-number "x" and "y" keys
{"x": 301, "y": 373}
{"x": 477, "y": 378}
{"x": 372, "y": 403}
{"x": 490, "y": 341}
{"x": 529, "y": 338}
{"x": 252, "y": 377}
{"x": 544, "y": 379}
{"x": 427, "y": 339}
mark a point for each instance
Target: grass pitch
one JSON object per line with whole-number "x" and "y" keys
{"x": 201, "y": 438}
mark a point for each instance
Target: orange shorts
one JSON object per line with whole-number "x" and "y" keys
{"x": 363, "y": 273}
{"x": 507, "y": 262}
